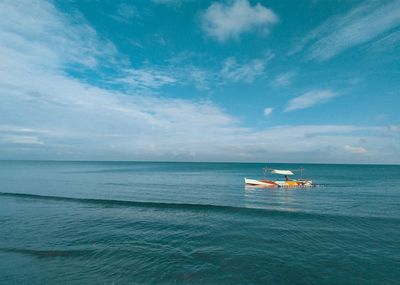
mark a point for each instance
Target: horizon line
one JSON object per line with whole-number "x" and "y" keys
{"x": 215, "y": 162}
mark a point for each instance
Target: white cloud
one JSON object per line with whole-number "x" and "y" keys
{"x": 322, "y": 143}
{"x": 235, "y": 72}
{"x": 268, "y": 111}
{"x": 199, "y": 77}
{"x": 284, "y": 79}
{"x": 394, "y": 128}
{"x": 53, "y": 41}
{"x": 126, "y": 13}
{"x": 145, "y": 78}
{"x": 359, "y": 26}
{"x": 310, "y": 99}
{"x": 247, "y": 72}
{"x": 388, "y": 42}
{"x": 19, "y": 139}
{"x": 230, "y": 20}
{"x": 37, "y": 94}
{"x": 47, "y": 113}
{"x": 231, "y": 70}
{"x": 48, "y": 41}
{"x": 355, "y": 149}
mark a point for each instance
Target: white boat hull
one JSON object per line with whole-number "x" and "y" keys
{"x": 262, "y": 183}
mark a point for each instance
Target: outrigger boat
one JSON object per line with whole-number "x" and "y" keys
{"x": 285, "y": 182}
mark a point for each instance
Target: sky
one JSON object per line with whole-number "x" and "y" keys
{"x": 185, "y": 80}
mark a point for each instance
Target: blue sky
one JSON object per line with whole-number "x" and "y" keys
{"x": 176, "y": 80}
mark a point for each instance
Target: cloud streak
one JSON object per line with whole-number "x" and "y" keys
{"x": 361, "y": 25}
{"x": 247, "y": 72}
{"x": 310, "y": 99}
{"x": 355, "y": 149}
{"x": 284, "y": 79}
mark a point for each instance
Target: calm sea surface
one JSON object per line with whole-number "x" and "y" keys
{"x": 196, "y": 223}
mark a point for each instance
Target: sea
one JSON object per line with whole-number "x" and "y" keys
{"x": 196, "y": 223}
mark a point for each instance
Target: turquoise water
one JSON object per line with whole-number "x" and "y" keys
{"x": 196, "y": 223}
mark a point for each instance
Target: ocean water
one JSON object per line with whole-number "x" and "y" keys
{"x": 196, "y": 223}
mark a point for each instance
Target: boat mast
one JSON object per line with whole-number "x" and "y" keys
{"x": 265, "y": 171}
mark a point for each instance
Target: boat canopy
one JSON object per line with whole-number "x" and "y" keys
{"x": 283, "y": 172}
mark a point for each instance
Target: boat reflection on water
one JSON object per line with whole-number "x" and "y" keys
{"x": 276, "y": 199}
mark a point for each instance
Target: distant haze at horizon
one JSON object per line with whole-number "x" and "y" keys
{"x": 210, "y": 81}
